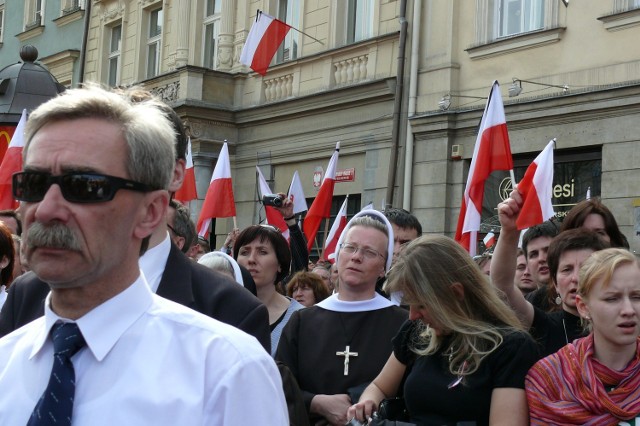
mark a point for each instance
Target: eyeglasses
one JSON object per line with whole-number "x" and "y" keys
{"x": 366, "y": 252}
{"x": 32, "y": 186}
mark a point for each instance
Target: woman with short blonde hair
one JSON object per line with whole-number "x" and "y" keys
{"x": 596, "y": 379}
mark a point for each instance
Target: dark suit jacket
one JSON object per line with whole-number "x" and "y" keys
{"x": 183, "y": 281}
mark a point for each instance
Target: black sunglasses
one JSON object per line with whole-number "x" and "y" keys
{"x": 31, "y": 187}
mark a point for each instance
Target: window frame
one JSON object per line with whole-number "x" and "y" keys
{"x": 530, "y": 11}
{"x": 359, "y": 20}
{"x": 154, "y": 42}
{"x": 2, "y": 14}
{"x": 212, "y": 19}
{"x": 114, "y": 55}
{"x": 289, "y": 12}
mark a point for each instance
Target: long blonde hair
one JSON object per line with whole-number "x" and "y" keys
{"x": 477, "y": 321}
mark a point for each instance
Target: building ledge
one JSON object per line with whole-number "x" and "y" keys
{"x": 621, "y": 21}
{"x": 513, "y": 44}
{"x": 30, "y": 33}
{"x": 68, "y": 16}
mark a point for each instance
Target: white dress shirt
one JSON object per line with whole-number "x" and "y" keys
{"x": 3, "y": 295}
{"x": 154, "y": 261}
{"x": 148, "y": 361}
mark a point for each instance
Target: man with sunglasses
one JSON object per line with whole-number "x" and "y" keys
{"x": 169, "y": 272}
{"x": 96, "y": 171}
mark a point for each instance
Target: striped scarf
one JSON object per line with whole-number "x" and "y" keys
{"x": 569, "y": 388}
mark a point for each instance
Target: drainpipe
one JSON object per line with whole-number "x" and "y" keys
{"x": 397, "y": 106}
{"x": 85, "y": 36}
{"x": 413, "y": 100}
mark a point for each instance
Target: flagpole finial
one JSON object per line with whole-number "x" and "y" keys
{"x": 338, "y": 146}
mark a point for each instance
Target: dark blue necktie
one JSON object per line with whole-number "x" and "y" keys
{"x": 56, "y": 403}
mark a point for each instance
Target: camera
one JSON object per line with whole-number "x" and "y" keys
{"x": 272, "y": 200}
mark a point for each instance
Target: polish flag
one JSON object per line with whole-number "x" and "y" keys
{"x": 536, "y": 187}
{"x": 321, "y": 206}
{"x": 219, "y": 200}
{"x": 187, "y": 191}
{"x": 262, "y": 43}
{"x": 338, "y": 226}
{"x": 274, "y": 217}
{"x": 12, "y": 163}
{"x": 489, "y": 240}
{"x": 492, "y": 152}
{"x": 297, "y": 194}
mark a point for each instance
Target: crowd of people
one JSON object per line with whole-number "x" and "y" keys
{"x": 143, "y": 322}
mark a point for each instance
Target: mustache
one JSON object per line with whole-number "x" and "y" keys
{"x": 52, "y": 236}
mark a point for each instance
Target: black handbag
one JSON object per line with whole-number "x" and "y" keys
{"x": 393, "y": 409}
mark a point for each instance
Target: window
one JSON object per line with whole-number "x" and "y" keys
{"x": 70, "y": 6}
{"x": 33, "y": 16}
{"x": 153, "y": 43}
{"x": 518, "y": 16}
{"x": 359, "y": 20}
{"x": 1, "y": 22}
{"x": 289, "y": 12}
{"x": 211, "y": 33}
{"x": 115, "y": 45}
{"x": 624, "y": 5}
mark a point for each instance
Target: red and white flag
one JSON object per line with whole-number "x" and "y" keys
{"x": 489, "y": 240}
{"x": 297, "y": 194}
{"x": 12, "y": 163}
{"x": 187, "y": 191}
{"x": 339, "y": 223}
{"x": 492, "y": 152}
{"x": 219, "y": 200}
{"x": 536, "y": 187}
{"x": 265, "y": 36}
{"x": 321, "y": 206}
{"x": 274, "y": 217}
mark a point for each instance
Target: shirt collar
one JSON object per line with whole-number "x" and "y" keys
{"x": 153, "y": 262}
{"x": 333, "y": 303}
{"x": 106, "y": 323}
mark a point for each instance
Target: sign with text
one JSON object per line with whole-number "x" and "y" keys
{"x": 345, "y": 175}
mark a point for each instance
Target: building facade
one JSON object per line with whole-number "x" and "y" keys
{"x": 400, "y": 83}
{"x": 54, "y": 27}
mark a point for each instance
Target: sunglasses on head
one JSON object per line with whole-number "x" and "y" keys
{"x": 32, "y": 186}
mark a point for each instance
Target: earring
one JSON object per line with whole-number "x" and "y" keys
{"x": 588, "y": 318}
{"x": 558, "y": 300}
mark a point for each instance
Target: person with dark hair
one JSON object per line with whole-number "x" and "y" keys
{"x": 406, "y": 228}
{"x": 181, "y": 228}
{"x": 464, "y": 350}
{"x": 565, "y": 255}
{"x": 7, "y": 258}
{"x": 535, "y": 245}
{"x": 169, "y": 272}
{"x": 307, "y": 288}
{"x": 594, "y": 215}
{"x": 265, "y": 253}
{"x": 94, "y": 187}
{"x": 12, "y": 220}
{"x": 595, "y": 380}
{"x": 522, "y": 278}
{"x": 336, "y": 347}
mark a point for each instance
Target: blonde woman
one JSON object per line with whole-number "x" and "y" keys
{"x": 464, "y": 349}
{"x": 595, "y": 380}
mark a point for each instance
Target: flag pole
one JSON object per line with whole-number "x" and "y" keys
{"x": 235, "y": 223}
{"x": 302, "y": 32}
{"x": 324, "y": 238}
{"x": 293, "y": 28}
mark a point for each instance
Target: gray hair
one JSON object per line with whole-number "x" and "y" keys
{"x": 145, "y": 128}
